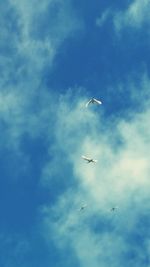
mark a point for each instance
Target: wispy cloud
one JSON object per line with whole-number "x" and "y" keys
{"x": 31, "y": 35}
{"x": 36, "y": 36}
{"x": 103, "y": 18}
{"x": 43, "y": 27}
{"x": 135, "y": 16}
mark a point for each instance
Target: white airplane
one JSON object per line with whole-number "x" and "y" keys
{"x": 93, "y": 101}
{"x": 89, "y": 160}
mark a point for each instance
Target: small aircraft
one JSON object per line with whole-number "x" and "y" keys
{"x": 93, "y": 101}
{"x": 89, "y": 160}
{"x": 82, "y": 207}
{"x": 113, "y": 209}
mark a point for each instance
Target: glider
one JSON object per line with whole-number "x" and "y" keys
{"x": 93, "y": 101}
{"x": 89, "y": 160}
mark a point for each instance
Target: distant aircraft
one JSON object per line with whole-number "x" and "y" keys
{"x": 89, "y": 160}
{"x": 93, "y": 101}
{"x": 82, "y": 207}
{"x": 113, "y": 209}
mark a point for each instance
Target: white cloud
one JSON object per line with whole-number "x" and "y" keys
{"x": 136, "y": 15}
{"x": 121, "y": 177}
{"x": 43, "y": 26}
{"x": 103, "y": 18}
{"x": 36, "y": 36}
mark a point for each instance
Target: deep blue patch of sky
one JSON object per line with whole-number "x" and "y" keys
{"x": 97, "y": 60}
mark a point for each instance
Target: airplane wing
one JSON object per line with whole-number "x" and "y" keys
{"x": 88, "y": 103}
{"x": 97, "y": 101}
{"x": 85, "y": 158}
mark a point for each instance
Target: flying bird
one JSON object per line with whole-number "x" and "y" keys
{"x": 93, "y": 101}
{"x": 89, "y": 160}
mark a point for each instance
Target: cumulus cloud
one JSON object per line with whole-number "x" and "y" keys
{"x": 121, "y": 177}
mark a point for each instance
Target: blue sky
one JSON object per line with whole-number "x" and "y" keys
{"x": 55, "y": 56}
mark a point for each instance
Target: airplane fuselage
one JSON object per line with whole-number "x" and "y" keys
{"x": 90, "y": 160}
